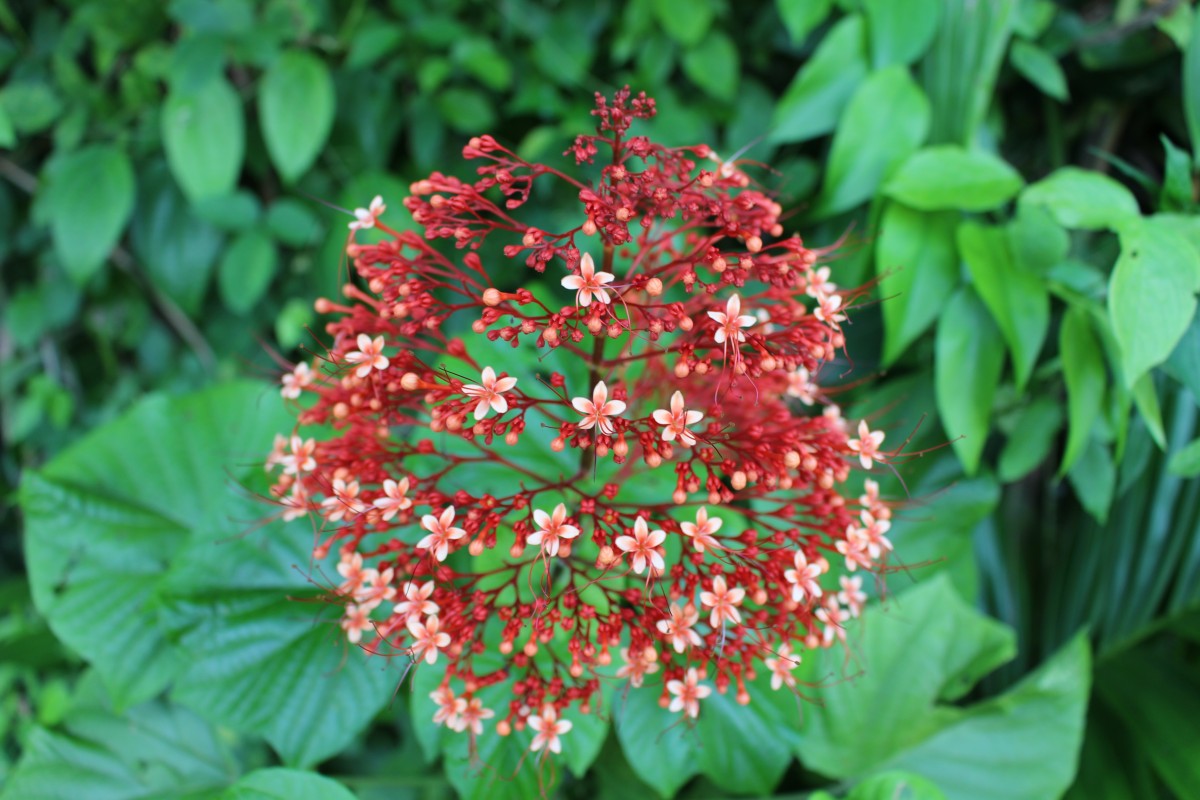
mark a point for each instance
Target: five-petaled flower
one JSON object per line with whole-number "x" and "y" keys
{"x": 441, "y": 533}
{"x": 678, "y": 629}
{"x": 551, "y": 528}
{"x": 367, "y": 217}
{"x": 472, "y": 716}
{"x": 490, "y": 393}
{"x": 677, "y": 421}
{"x": 369, "y": 355}
{"x": 723, "y": 601}
{"x": 867, "y": 444}
{"x": 449, "y": 707}
{"x": 343, "y": 502}
{"x": 731, "y": 321}
{"x": 644, "y": 546}
{"x": 297, "y": 380}
{"x": 427, "y": 640}
{"x": 356, "y": 620}
{"x": 804, "y": 577}
{"x": 852, "y": 595}
{"x": 394, "y": 498}
{"x": 416, "y": 600}
{"x": 300, "y": 459}
{"x": 596, "y": 412}
{"x": 548, "y": 727}
{"x": 701, "y": 531}
{"x": 781, "y": 666}
{"x": 588, "y": 282}
{"x": 801, "y": 387}
{"x": 639, "y": 662}
{"x": 688, "y": 693}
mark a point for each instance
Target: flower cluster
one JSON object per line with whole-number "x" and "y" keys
{"x": 604, "y": 474}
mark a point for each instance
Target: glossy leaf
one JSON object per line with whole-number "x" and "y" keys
{"x": 1039, "y": 68}
{"x": 1038, "y": 243}
{"x": 1029, "y": 442}
{"x": 1094, "y": 479}
{"x": 1191, "y": 86}
{"x": 713, "y": 65}
{"x": 89, "y": 198}
{"x": 969, "y": 355}
{"x": 1078, "y": 198}
{"x": 945, "y": 177}
{"x": 277, "y": 783}
{"x": 204, "y": 137}
{"x": 801, "y": 17}
{"x": 1184, "y": 362}
{"x": 246, "y": 270}
{"x": 296, "y": 107}
{"x": 1186, "y": 462}
{"x": 685, "y": 21}
{"x": 822, "y": 87}
{"x": 896, "y": 786}
{"x": 900, "y": 30}
{"x": 1086, "y": 378}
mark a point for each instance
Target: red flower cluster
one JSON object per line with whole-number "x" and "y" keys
{"x": 666, "y": 500}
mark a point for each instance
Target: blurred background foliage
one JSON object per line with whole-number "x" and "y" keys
{"x": 1018, "y": 177}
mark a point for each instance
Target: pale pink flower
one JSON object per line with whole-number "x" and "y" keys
{"x": 301, "y": 458}
{"x": 677, "y": 421}
{"x": 449, "y": 707}
{"x": 638, "y": 664}
{"x": 490, "y": 394}
{"x": 549, "y": 727}
{"x": 416, "y": 600}
{"x": 688, "y": 693}
{"x": 278, "y": 454}
{"x": 596, "y": 412}
{"x": 867, "y": 444}
{"x": 369, "y": 355}
{"x": 852, "y": 595}
{"x": 375, "y": 588}
{"x": 296, "y": 381}
{"x": 801, "y": 386}
{"x": 731, "y": 321}
{"x": 870, "y": 500}
{"x": 394, "y": 498}
{"x": 701, "y": 531}
{"x": 427, "y": 640}
{"x": 819, "y": 285}
{"x": 441, "y": 533}
{"x": 828, "y": 309}
{"x": 723, "y": 601}
{"x": 367, "y": 217}
{"x": 854, "y": 548}
{"x": 350, "y": 567}
{"x": 551, "y": 529}
{"x": 833, "y": 617}
{"x": 588, "y": 282}
{"x": 344, "y": 502}
{"x": 875, "y": 530}
{"x": 804, "y": 577}
{"x": 781, "y": 666}
{"x": 472, "y": 716}
{"x": 296, "y": 504}
{"x": 644, "y": 546}
{"x": 678, "y": 629}
{"x": 356, "y": 622}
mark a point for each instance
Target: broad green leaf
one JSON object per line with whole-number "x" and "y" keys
{"x": 713, "y": 65}
{"x": 801, "y": 17}
{"x": 89, "y": 198}
{"x": 139, "y": 557}
{"x": 1094, "y": 478}
{"x": 101, "y": 753}
{"x": 246, "y": 270}
{"x": 1077, "y": 198}
{"x": 296, "y": 105}
{"x": 969, "y": 355}
{"x": 1145, "y": 397}
{"x": 8, "y": 136}
{"x": 1030, "y": 440}
{"x": 945, "y": 177}
{"x": 641, "y": 722}
{"x": 1152, "y": 295}
{"x": 1186, "y": 462}
{"x": 204, "y": 137}
{"x": 230, "y": 212}
{"x": 194, "y": 61}
{"x": 293, "y": 222}
{"x": 1038, "y": 243}
{"x": 900, "y": 30}
{"x": 1177, "y": 193}
{"x": 917, "y": 264}
{"x": 465, "y": 110}
{"x": 1086, "y": 378}
{"x": 1039, "y": 68}
{"x": 1018, "y": 300}
{"x": 479, "y": 56}
{"x": 1191, "y": 86}
{"x": 1184, "y": 363}
{"x": 859, "y": 158}
{"x": 814, "y": 100}
{"x": 685, "y": 21}
{"x": 277, "y": 783}
{"x": 896, "y": 786}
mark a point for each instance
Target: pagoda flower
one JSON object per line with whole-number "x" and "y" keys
{"x": 490, "y": 394}
{"x": 833, "y": 617}
{"x": 416, "y": 600}
{"x": 449, "y": 707}
{"x": 350, "y": 567}
{"x": 723, "y": 601}
{"x": 548, "y": 727}
{"x": 854, "y": 548}
{"x": 441, "y": 533}
{"x": 643, "y": 547}
{"x": 375, "y": 588}
{"x": 344, "y": 502}
{"x": 277, "y": 456}
{"x": 819, "y": 285}
{"x": 804, "y": 577}
{"x": 677, "y": 421}
{"x": 367, "y": 217}
{"x": 867, "y": 444}
{"x": 394, "y": 498}
{"x": 301, "y": 458}
{"x": 472, "y": 716}
{"x": 701, "y": 531}
{"x": 678, "y": 629}
{"x": 427, "y": 640}
{"x": 356, "y": 621}
{"x": 639, "y": 663}
{"x": 828, "y": 309}
{"x": 731, "y": 321}
{"x": 296, "y": 381}
{"x": 801, "y": 386}
{"x": 688, "y": 693}
{"x": 875, "y": 530}
{"x": 869, "y": 499}
{"x": 588, "y": 282}
{"x": 781, "y": 667}
{"x": 596, "y": 412}
{"x": 551, "y": 528}
{"x": 369, "y": 355}
{"x": 852, "y": 596}
{"x": 296, "y": 504}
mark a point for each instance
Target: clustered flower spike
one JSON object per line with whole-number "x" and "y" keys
{"x": 520, "y": 491}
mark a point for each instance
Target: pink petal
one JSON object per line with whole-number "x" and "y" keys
{"x": 573, "y": 282}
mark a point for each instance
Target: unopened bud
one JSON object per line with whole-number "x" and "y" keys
{"x": 475, "y": 548}
{"x": 557, "y": 444}
{"x": 685, "y": 324}
{"x": 682, "y": 370}
{"x": 753, "y": 244}
{"x": 491, "y": 297}
{"x": 679, "y": 496}
{"x": 589, "y": 228}
{"x": 654, "y": 287}
{"x": 738, "y": 480}
{"x": 410, "y": 381}
{"x": 791, "y": 459}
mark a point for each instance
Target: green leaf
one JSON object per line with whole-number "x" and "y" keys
{"x": 1038, "y": 243}
{"x": 1151, "y": 298}
{"x": 801, "y": 17}
{"x": 900, "y": 31}
{"x": 204, "y": 137}
{"x": 1039, "y": 68}
{"x": 230, "y": 212}
{"x": 465, "y": 110}
{"x": 1018, "y": 300}
{"x": 1184, "y": 363}
{"x": 277, "y": 783}
{"x": 969, "y": 356}
{"x": 246, "y": 270}
{"x": 1032, "y": 436}
{"x": 296, "y": 105}
{"x": 946, "y": 177}
{"x": 139, "y": 558}
{"x": 1094, "y": 478}
{"x": 294, "y": 223}
{"x": 1085, "y": 377}
{"x": 713, "y": 66}
{"x": 8, "y": 135}
{"x": 917, "y": 263}
{"x": 1186, "y": 462}
{"x": 479, "y": 56}
{"x": 685, "y": 21}
{"x": 89, "y": 197}
{"x": 859, "y": 158}
{"x": 1191, "y": 86}
{"x": 1177, "y": 193}
{"x": 896, "y": 786}
{"x": 1077, "y": 198}
{"x": 814, "y": 100}
{"x": 671, "y": 762}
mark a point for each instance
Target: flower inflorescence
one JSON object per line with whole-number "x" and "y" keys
{"x": 666, "y": 503}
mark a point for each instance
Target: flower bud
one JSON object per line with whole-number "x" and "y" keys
{"x": 654, "y": 287}
{"x": 491, "y": 297}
